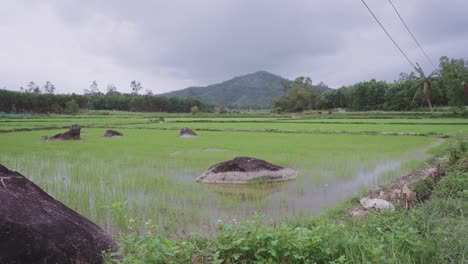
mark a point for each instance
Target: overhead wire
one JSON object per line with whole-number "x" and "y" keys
{"x": 411, "y": 33}
{"x": 388, "y": 34}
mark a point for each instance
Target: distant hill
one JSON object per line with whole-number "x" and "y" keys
{"x": 255, "y": 90}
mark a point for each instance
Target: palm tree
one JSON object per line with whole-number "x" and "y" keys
{"x": 425, "y": 83}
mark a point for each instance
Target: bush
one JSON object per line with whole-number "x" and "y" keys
{"x": 222, "y": 110}
{"x": 194, "y": 110}
{"x": 423, "y": 189}
{"x": 458, "y": 148}
{"x": 277, "y": 110}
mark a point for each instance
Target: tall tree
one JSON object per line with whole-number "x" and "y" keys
{"x": 112, "y": 90}
{"x": 33, "y": 88}
{"x": 49, "y": 87}
{"x": 425, "y": 83}
{"x": 300, "y": 95}
{"x": 149, "y": 92}
{"x": 93, "y": 89}
{"x": 136, "y": 87}
{"x": 454, "y": 75}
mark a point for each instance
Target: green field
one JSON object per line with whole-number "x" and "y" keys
{"x": 152, "y": 171}
{"x": 435, "y": 127}
{"x": 142, "y": 187}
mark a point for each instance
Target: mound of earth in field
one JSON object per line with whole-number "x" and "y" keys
{"x": 72, "y": 134}
{"x": 246, "y": 170}
{"x": 36, "y": 228}
{"x": 187, "y": 133}
{"x": 112, "y": 133}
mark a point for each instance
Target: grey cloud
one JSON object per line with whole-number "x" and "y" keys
{"x": 172, "y": 44}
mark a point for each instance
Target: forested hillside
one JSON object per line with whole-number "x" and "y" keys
{"x": 255, "y": 90}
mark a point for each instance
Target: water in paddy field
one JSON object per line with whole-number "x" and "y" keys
{"x": 288, "y": 199}
{"x": 168, "y": 194}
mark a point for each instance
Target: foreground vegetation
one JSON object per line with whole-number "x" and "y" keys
{"x": 435, "y": 231}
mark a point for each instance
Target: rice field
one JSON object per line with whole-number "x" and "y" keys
{"x": 151, "y": 171}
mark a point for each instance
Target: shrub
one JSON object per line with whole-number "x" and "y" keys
{"x": 222, "y": 110}
{"x": 423, "y": 189}
{"x": 457, "y": 148}
{"x": 194, "y": 110}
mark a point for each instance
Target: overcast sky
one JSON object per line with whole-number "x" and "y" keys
{"x": 169, "y": 45}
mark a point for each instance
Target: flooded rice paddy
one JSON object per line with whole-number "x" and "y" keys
{"x": 152, "y": 173}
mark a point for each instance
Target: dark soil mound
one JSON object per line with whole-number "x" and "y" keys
{"x": 244, "y": 170}
{"x": 72, "y": 134}
{"x": 112, "y": 133}
{"x": 244, "y": 164}
{"x": 36, "y": 228}
{"x": 187, "y": 132}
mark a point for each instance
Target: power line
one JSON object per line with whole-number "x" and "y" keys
{"x": 386, "y": 32}
{"x": 411, "y": 33}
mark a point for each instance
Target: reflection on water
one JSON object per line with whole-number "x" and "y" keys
{"x": 248, "y": 192}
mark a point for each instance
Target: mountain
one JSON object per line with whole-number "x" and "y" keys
{"x": 255, "y": 90}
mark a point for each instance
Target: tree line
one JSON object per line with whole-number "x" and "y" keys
{"x": 446, "y": 86}
{"x": 30, "y": 102}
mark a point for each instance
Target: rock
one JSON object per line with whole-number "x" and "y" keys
{"x": 245, "y": 170}
{"x": 72, "y": 134}
{"x": 378, "y": 204}
{"x": 187, "y": 133}
{"x": 397, "y": 194}
{"x": 36, "y": 228}
{"x": 112, "y": 133}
